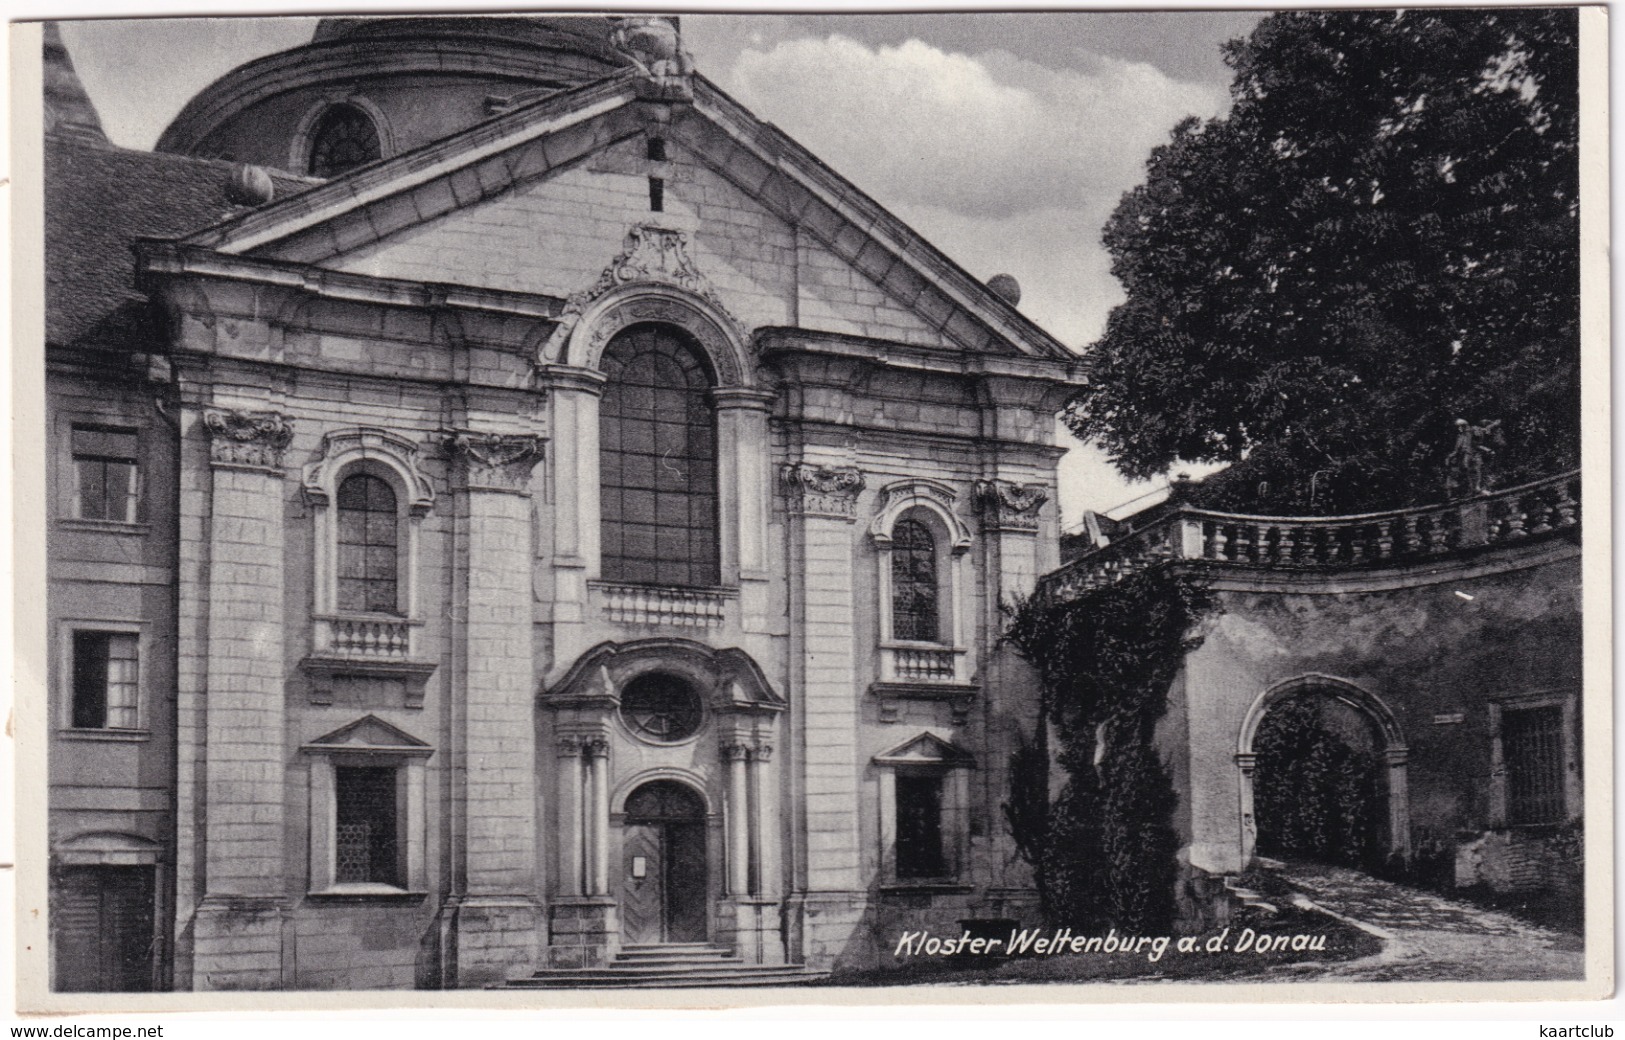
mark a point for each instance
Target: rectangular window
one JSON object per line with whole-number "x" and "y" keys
{"x": 106, "y": 474}
{"x": 106, "y": 676}
{"x": 919, "y": 827}
{"x": 366, "y": 838}
{"x": 1532, "y": 750}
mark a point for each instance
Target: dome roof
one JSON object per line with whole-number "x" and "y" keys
{"x": 583, "y": 34}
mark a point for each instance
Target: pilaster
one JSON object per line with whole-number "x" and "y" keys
{"x": 495, "y": 916}
{"x": 239, "y": 928}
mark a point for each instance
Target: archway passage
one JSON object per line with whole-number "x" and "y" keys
{"x": 1318, "y": 789}
{"x": 665, "y": 882}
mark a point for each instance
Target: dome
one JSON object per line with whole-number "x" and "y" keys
{"x": 582, "y": 34}
{"x": 413, "y": 80}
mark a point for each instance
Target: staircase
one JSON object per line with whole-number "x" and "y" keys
{"x": 670, "y": 966}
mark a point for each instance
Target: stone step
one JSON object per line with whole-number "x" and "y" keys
{"x": 670, "y": 978}
{"x": 674, "y": 952}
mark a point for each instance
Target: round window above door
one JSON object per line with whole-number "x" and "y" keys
{"x": 661, "y": 708}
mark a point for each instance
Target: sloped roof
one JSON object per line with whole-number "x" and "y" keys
{"x": 98, "y": 200}
{"x": 758, "y": 157}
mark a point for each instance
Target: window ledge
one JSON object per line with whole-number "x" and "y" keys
{"x": 356, "y": 893}
{"x": 925, "y": 689}
{"x": 925, "y": 888}
{"x": 126, "y": 736}
{"x": 69, "y": 523}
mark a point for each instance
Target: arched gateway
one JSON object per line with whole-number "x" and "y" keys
{"x": 1321, "y": 706}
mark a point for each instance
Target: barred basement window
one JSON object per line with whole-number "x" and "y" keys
{"x": 1532, "y": 749}
{"x": 106, "y": 680}
{"x": 106, "y": 473}
{"x": 369, "y": 546}
{"x": 366, "y": 847}
{"x": 914, "y": 582}
{"x": 344, "y": 138}
{"x": 919, "y": 827}
{"x": 658, "y": 461}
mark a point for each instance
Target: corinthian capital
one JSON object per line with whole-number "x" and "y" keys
{"x": 496, "y": 461}
{"x": 247, "y": 440}
{"x": 816, "y": 490}
{"x": 1007, "y": 506}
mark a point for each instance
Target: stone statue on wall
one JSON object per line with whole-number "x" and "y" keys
{"x": 654, "y": 46}
{"x": 1467, "y": 463}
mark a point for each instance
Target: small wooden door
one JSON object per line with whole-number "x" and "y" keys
{"x": 665, "y": 880}
{"x": 102, "y": 929}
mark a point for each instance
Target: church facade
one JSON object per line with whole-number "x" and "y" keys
{"x": 514, "y": 510}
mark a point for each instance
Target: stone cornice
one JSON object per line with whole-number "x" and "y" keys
{"x": 785, "y": 341}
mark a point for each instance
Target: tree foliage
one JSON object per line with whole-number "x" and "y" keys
{"x": 1105, "y": 850}
{"x": 1313, "y": 794}
{"x": 1382, "y": 236}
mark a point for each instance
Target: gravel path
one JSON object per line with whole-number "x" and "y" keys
{"x": 1428, "y": 937}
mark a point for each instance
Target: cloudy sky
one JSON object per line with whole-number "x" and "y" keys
{"x": 1006, "y": 139}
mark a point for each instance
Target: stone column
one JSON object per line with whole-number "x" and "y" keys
{"x": 1246, "y": 763}
{"x": 239, "y": 934}
{"x": 598, "y": 756}
{"x": 496, "y": 912}
{"x": 738, "y": 820}
{"x": 1399, "y": 809}
{"x": 745, "y": 493}
{"x": 573, "y": 394}
{"x": 571, "y": 853}
{"x": 764, "y": 820}
{"x": 822, "y": 500}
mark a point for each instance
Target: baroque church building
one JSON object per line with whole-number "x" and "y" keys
{"x": 513, "y": 510}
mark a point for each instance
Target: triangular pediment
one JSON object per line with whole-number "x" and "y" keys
{"x": 926, "y": 749}
{"x": 369, "y": 733}
{"x": 541, "y": 199}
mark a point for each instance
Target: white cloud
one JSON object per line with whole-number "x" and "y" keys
{"x": 1003, "y": 164}
{"x": 989, "y": 134}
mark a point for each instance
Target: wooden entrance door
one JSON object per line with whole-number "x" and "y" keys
{"x": 665, "y": 880}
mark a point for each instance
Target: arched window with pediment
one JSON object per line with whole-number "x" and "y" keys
{"x": 915, "y": 588}
{"x": 368, "y": 546}
{"x": 658, "y": 461}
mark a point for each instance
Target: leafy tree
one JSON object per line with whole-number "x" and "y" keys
{"x": 1382, "y": 236}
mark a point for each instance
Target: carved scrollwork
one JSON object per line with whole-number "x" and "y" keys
{"x": 496, "y": 461}
{"x": 247, "y": 440}
{"x": 816, "y": 490}
{"x": 1007, "y": 506}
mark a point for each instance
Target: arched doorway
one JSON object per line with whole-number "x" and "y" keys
{"x": 1323, "y": 775}
{"x": 665, "y": 885}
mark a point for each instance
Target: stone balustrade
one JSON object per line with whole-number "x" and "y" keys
{"x": 663, "y": 605}
{"x": 369, "y": 638}
{"x": 1327, "y": 542}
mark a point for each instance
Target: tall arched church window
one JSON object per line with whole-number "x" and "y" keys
{"x": 914, "y": 583}
{"x": 658, "y": 461}
{"x": 342, "y": 139}
{"x": 368, "y": 546}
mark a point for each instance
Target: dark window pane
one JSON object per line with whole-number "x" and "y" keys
{"x": 366, "y": 837}
{"x": 90, "y": 654}
{"x": 1532, "y": 747}
{"x": 919, "y": 827}
{"x": 661, "y": 707}
{"x": 343, "y": 139}
{"x": 106, "y": 473}
{"x": 658, "y": 459}
{"x": 914, "y": 582}
{"x": 368, "y": 545}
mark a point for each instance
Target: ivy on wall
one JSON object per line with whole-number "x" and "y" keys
{"x": 1104, "y": 849}
{"x": 1313, "y": 794}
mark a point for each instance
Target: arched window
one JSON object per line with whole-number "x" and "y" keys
{"x": 658, "y": 461}
{"x": 369, "y": 546}
{"x": 914, "y": 591}
{"x": 342, "y": 139}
